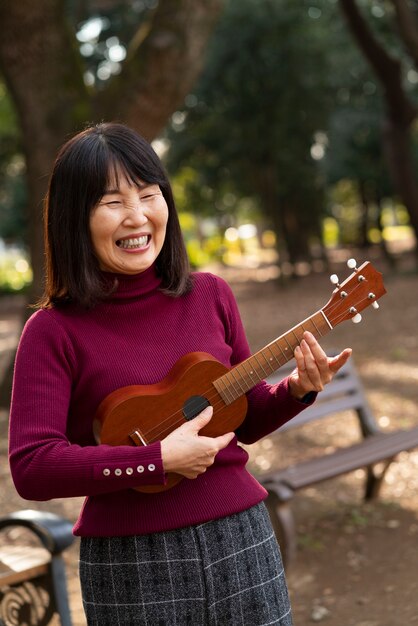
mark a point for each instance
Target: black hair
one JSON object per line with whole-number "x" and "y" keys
{"x": 83, "y": 168}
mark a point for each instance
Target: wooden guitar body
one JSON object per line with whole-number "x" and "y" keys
{"x": 142, "y": 414}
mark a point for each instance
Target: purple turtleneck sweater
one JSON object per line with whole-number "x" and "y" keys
{"x": 70, "y": 359}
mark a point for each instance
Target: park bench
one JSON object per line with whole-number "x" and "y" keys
{"x": 32, "y": 577}
{"x": 374, "y": 452}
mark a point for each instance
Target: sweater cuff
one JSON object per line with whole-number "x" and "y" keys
{"x": 146, "y": 469}
{"x": 308, "y": 399}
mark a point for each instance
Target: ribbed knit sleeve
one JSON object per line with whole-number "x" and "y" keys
{"x": 269, "y": 406}
{"x": 44, "y": 463}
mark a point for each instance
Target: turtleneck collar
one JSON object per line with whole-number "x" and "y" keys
{"x": 134, "y": 285}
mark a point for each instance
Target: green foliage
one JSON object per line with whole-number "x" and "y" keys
{"x": 354, "y": 135}
{"x": 105, "y": 34}
{"x": 13, "y": 225}
{"x": 15, "y": 271}
{"x": 12, "y": 184}
{"x": 249, "y": 126}
{"x": 201, "y": 249}
{"x": 8, "y": 122}
{"x": 286, "y": 112}
{"x": 286, "y": 116}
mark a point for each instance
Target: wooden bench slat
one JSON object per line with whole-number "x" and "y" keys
{"x": 345, "y": 393}
{"x": 340, "y": 386}
{"x": 14, "y": 578}
{"x": 373, "y": 449}
{"x": 20, "y": 563}
{"x": 19, "y": 558}
{"x": 353, "y": 403}
{"x": 35, "y": 573}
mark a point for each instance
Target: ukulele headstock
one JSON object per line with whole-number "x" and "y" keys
{"x": 361, "y": 289}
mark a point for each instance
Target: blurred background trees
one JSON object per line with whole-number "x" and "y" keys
{"x": 69, "y": 63}
{"x": 292, "y": 115}
{"x": 292, "y": 132}
{"x": 249, "y": 125}
{"x": 384, "y": 56}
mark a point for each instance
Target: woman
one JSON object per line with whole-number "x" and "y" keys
{"x": 120, "y": 308}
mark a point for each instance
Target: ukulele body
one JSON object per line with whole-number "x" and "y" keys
{"x": 142, "y": 414}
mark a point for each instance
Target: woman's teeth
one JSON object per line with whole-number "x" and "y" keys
{"x": 138, "y": 242}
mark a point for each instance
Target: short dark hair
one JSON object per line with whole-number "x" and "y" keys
{"x": 82, "y": 170}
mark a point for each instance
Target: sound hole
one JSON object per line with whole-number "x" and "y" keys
{"x": 193, "y": 406}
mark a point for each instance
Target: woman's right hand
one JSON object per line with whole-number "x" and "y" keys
{"x": 187, "y": 453}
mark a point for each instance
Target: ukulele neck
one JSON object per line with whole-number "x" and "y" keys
{"x": 269, "y": 359}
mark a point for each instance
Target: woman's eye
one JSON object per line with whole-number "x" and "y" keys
{"x": 148, "y": 196}
{"x": 113, "y": 203}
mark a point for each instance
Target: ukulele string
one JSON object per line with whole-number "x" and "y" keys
{"x": 362, "y": 286}
{"x": 341, "y": 316}
{"x": 207, "y": 395}
{"x": 214, "y": 400}
{"x": 338, "y": 318}
{"x": 170, "y": 427}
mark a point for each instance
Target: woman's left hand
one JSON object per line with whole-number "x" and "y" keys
{"x": 314, "y": 369}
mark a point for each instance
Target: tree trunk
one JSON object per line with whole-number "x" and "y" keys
{"x": 265, "y": 181}
{"x": 391, "y": 260}
{"x": 401, "y": 113}
{"x": 44, "y": 74}
{"x": 408, "y": 27}
{"x": 398, "y": 151}
{"x": 160, "y": 71}
{"x": 296, "y": 236}
{"x": 364, "y": 217}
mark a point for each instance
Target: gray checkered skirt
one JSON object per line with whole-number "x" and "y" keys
{"x": 227, "y": 572}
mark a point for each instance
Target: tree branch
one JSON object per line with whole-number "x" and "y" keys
{"x": 160, "y": 69}
{"x": 41, "y": 66}
{"x": 408, "y": 27}
{"x": 387, "y": 69}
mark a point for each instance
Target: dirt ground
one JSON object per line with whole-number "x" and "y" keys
{"x": 357, "y": 564}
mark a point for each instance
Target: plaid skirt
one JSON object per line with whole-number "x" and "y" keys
{"x": 227, "y": 572}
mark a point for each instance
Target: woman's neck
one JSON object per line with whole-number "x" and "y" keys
{"x": 134, "y": 285}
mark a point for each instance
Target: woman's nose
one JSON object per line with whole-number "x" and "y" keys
{"x": 136, "y": 215}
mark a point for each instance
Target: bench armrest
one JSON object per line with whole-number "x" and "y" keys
{"x": 54, "y": 531}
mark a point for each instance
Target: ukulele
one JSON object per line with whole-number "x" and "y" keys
{"x": 142, "y": 414}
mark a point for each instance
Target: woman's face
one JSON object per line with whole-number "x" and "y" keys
{"x": 128, "y": 226}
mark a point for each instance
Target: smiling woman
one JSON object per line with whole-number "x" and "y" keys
{"x": 116, "y": 189}
{"x": 121, "y": 309}
{"x": 128, "y": 226}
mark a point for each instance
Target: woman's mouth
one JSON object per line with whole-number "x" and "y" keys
{"x": 134, "y": 243}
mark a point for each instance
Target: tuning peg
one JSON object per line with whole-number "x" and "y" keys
{"x": 352, "y": 264}
{"x": 375, "y": 304}
{"x": 357, "y": 317}
{"x": 334, "y": 279}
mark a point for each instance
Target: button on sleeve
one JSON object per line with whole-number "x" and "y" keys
{"x": 130, "y": 466}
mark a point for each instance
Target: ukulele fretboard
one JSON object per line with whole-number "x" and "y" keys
{"x": 262, "y": 364}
